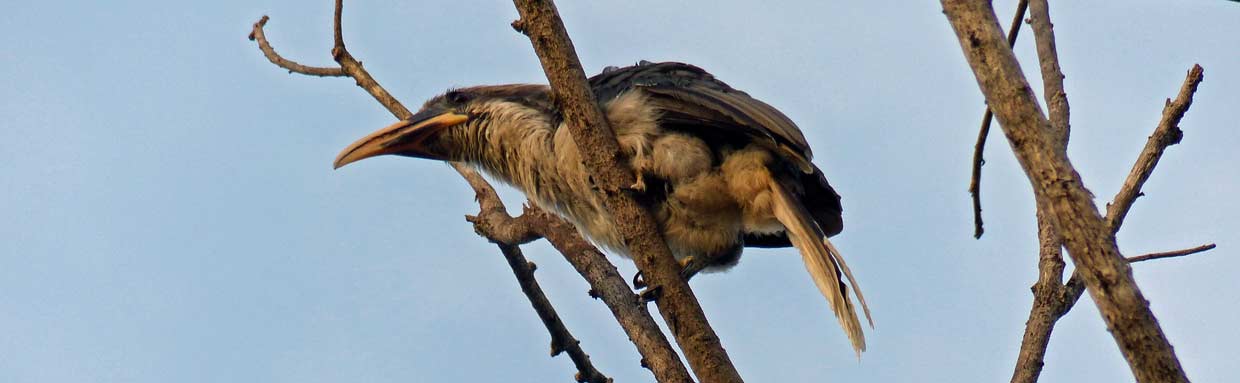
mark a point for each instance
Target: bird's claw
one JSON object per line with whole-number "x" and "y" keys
{"x": 651, "y": 294}
{"x": 691, "y": 265}
{"x": 638, "y": 281}
{"x": 640, "y": 185}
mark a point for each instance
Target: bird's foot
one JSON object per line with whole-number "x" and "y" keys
{"x": 691, "y": 265}
{"x": 640, "y": 185}
{"x": 651, "y": 294}
{"x": 638, "y": 281}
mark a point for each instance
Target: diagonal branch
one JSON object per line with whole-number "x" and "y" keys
{"x": 541, "y": 23}
{"x": 491, "y": 209}
{"x": 975, "y": 184}
{"x": 1070, "y": 207}
{"x": 1166, "y": 134}
{"x": 606, "y": 283}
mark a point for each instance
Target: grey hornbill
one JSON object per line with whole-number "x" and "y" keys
{"x": 719, "y": 169}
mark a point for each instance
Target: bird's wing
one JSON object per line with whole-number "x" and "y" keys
{"x": 823, "y": 262}
{"x": 690, "y": 99}
{"x": 694, "y": 101}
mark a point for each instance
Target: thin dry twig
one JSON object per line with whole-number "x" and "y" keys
{"x": 562, "y": 339}
{"x": 540, "y": 21}
{"x": 492, "y": 208}
{"x": 257, "y": 35}
{"x": 1172, "y": 254}
{"x": 1166, "y": 134}
{"x": 975, "y": 183}
{"x": 494, "y": 223}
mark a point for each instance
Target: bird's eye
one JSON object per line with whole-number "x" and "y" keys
{"x": 457, "y": 97}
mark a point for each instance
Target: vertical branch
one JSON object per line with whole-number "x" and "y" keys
{"x": 1048, "y": 292}
{"x": 541, "y": 23}
{"x": 1052, "y": 76}
{"x": 1070, "y": 206}
{"x": 1048, "y": 298}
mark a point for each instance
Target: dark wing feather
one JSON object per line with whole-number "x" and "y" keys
{"x": 694, "y": 101}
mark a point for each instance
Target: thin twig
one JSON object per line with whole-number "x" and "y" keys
{"x": 1052, "y": 76}
{"x": 1166, "y": 134}
{"x": 494, "y": 214}
{"x": 256, "y": 34}
{"x": 1172, "y": 254}
{"x": 1075, "y": 286}
{"x": 606, "y": 283}
{"x": 975, "y": 183}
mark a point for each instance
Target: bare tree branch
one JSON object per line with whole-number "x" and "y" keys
{"x": 256, "y": 34}
{"x": 975, "y": 184}
{"x": 1166, "y": 134}
{"x": 1071, "y": 211}
{"x": 1048, "y": 291}
{"x": 606, "y": 283}
{"x": 541, "y": 23}
{"x": 1047, "y": 304}
{"x": 491, "y": 206}
{"x": 1172, "y": 254}
{"x": 1052, "y": 76}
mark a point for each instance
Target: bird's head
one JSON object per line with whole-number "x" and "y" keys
{"x": 450, "y": 126}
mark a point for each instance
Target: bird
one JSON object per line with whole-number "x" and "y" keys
{"x": 718, "y": 169}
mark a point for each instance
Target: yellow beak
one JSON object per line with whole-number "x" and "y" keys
{"x": 404, "y": 137}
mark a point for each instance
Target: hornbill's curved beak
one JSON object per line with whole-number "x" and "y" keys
{"x": 405, "y": 137}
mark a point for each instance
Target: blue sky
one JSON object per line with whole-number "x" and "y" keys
{"x": 171, "y": 213}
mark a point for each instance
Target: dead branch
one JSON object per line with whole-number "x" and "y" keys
{"x": 1048, "y": 290}
{"x": 1070, "y": 208}
{"x": 494, "y": 223}
{"x": 1172, "y": 254}
{"x": 975, "y": 183}
{"x": 541, "y": 23}
{"x": 1166, "y": 134}
{"x": 256, "y": 34}
{"x": 607, "y": 284}
{"x": 562, "y": 339}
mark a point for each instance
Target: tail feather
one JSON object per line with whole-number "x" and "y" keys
{"x": 823, "y": 262}
{"x": 835, "y": 255}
